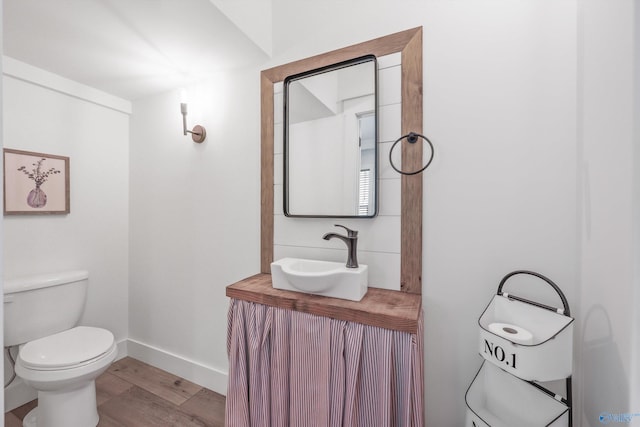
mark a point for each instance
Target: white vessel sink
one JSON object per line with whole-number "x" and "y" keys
{"x": 327, "y": 278}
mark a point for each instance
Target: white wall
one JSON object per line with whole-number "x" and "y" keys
{"x": 43, "y": 113}
{"x": 635, "y": 373}
{"x": 500, "y": 107}
{"x": 194, "y": 223}
{"x": 312, "y": 187}
{"x": 608, "y": 175}
{"x": 2, "y": 375}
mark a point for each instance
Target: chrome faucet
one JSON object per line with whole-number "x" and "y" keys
{"x": 351, "y": 240}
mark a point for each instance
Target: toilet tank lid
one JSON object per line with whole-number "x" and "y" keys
{"x": 27, "y": 283}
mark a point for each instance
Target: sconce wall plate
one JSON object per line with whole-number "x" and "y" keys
{"x": 198, "y": 134}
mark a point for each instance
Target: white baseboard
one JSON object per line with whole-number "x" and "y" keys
{"x": 18, "y": 393}
{"x": 190, "y": 370}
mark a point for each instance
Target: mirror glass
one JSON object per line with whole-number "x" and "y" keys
{"x": 330, "y": 135}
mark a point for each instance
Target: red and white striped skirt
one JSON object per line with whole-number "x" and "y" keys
{"x": 294, "y": 369}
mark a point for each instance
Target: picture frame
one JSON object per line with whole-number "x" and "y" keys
{"x": 35, "y": 183}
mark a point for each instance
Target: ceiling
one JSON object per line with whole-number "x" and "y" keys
{"x": 128, "y": 48}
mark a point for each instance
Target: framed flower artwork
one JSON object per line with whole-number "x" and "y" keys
{"x": 35, "y": 183}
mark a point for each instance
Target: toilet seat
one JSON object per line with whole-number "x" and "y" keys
{"x": 69, "y": 349}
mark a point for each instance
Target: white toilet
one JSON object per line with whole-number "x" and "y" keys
{"x": 57, "y": 358}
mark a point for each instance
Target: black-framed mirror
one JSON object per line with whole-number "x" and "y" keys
{"x": 330, "y": 141}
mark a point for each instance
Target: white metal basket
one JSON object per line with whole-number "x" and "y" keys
{"x": 497, "y": 399}
{"x": 549, "y": 353}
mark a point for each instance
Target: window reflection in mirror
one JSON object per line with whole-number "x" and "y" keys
{"x": 330, "y": 141}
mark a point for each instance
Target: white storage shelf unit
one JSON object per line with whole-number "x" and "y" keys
{"x": 504, "y": 393}
{"x": 548, "y": 357}
{"x": 498, "y": 399}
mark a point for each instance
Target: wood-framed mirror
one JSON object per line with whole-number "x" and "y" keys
{"x": 330, "y": 148}
{"x": 409, "y": 44}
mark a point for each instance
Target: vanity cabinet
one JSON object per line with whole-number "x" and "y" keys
{"x": 300, "y": 360}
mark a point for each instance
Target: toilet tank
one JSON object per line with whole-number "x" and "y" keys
{"x": 37, "y": 306}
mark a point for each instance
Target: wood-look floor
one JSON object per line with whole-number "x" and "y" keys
{"x": 133, "y": 394}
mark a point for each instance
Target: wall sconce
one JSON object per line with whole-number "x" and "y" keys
{"x": 198, "y": 134}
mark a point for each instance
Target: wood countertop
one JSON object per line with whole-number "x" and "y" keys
{"x": 382, "y": 308}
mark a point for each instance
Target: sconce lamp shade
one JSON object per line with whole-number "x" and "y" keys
{"x": 199, "y": 133}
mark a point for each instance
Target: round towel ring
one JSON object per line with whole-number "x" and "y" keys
{"x": 412, "y": 137}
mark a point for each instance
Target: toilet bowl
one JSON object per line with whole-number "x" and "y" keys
{"x": 63, "y": 368}
{"x": 58, "y": 358}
